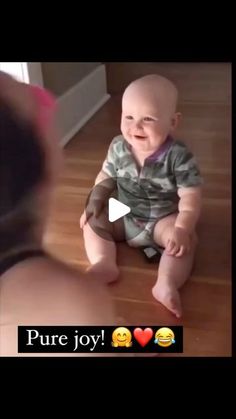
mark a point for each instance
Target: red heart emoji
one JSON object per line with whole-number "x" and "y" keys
{"x": 143, "y": 336}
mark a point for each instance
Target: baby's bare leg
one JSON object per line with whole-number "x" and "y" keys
{"x": 173, "y": 271}
{"x": 99, "y": 239}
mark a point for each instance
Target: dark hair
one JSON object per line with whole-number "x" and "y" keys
{"x": 22, "y": 168}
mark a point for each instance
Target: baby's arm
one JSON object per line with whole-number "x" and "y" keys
{"x": 188, "y": 180}
{"x": 190, "y": 204}
{"x": 104, "y": 185}
{"x": 189, "y": 211}
{"x": 100, "y": 177}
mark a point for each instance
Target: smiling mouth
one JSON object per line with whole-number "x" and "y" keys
{"x": 139, "y": 137}
{"x": 164, "y": 340}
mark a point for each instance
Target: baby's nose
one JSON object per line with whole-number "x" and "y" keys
{"x": 138, "y": 124}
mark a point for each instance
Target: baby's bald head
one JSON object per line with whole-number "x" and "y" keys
{"x": 156, "y": 89}
{"x": 149, "y": 112}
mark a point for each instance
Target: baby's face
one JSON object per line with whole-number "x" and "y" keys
{"x": 146, "y": 121}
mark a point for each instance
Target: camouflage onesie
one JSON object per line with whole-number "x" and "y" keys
{"x": 150, "y": 191}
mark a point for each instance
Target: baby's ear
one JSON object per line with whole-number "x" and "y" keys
{"x": 175, "y": 120}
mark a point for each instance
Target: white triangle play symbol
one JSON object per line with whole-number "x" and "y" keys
{"x": 116, "y": 210}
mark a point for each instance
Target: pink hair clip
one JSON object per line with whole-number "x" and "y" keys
{"x": 46, "y": 106}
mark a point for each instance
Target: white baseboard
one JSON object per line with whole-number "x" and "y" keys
{"x": 84, "y": 119}
{"x": 81, "y": 102}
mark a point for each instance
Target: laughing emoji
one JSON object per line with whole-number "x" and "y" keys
{"x": 164, "y": 337}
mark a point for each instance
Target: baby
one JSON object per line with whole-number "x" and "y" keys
{"x": 155, "y": 175}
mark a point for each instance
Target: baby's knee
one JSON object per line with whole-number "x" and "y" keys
{"x": 97, "y": 228}
{"x": 99, "y": 222}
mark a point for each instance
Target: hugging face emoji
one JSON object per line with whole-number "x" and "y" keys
{"x": 121, "y": 337}
{"x": 164, "y": 337}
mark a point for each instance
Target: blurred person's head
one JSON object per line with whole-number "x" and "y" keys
{"x": 29, "y": 159}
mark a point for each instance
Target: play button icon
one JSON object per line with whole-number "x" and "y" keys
{"x": 116, "y": 210}
{"x": 113, "y": 206}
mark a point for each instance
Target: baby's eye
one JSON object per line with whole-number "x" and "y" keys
{"x": 128, "y": 117}
{"x": 149, "y": 119}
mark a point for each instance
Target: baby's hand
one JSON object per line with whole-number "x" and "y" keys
{"x": 178, "y": 243}
{"x": 94, "y": 208}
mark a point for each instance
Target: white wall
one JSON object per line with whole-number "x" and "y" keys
{"x": 77, "y": 105}
{"x": 17, "y": 70}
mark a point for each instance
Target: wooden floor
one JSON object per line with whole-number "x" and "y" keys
{"x": 206, "y": 297}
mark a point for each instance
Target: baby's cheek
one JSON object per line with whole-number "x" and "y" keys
{"x": 123, "y": 129}
{"x": 125, "y": 132}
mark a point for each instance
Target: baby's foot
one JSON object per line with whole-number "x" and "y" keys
{"x": 107, "y": 273}
{"x": 169, "y": 297}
